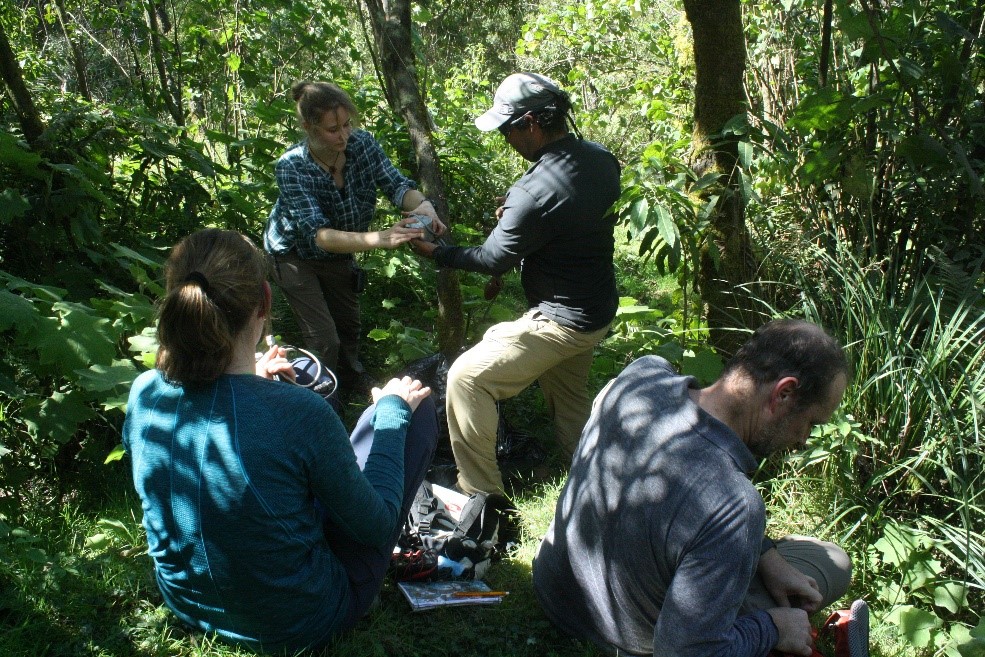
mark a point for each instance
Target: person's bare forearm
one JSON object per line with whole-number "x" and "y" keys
{"x": 412, "y": 199}
{"x": 344, "y": 241}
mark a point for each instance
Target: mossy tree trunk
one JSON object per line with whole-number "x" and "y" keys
{"x": 728, "y": 264}
{"x": 391, "y": 22}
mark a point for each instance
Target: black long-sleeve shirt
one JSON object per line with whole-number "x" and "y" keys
{"x": 557, "y": 226}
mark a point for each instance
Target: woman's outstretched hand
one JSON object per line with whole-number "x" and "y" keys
{"x": 275, "y": 363}
{"x": 427, "y": 209}
{"x": 398, "y": 234}
{"x": 410, "y": 390}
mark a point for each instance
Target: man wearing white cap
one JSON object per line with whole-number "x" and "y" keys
{"x": 555, "y": 224}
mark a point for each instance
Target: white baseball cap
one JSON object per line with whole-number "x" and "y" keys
{"x": 518, "y": 94}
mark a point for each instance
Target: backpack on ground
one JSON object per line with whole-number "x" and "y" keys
{"x": 448, "y": 535}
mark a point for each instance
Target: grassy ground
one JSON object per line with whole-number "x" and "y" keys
{"x": 80, "y": 600}
{"x": 63, "y": 594}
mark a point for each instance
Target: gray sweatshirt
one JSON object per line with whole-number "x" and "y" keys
{"x": 658, "y": 531}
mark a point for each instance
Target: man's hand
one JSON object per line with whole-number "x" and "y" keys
{"x": 794, "y": 630}
{"x": 788, "y": 586}
{"x": 427, "y": 209}
{"x": 423, "y": 248}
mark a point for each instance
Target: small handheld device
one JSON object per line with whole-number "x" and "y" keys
{"x": 308, "y": 370}
{"x": 422, "y": 222}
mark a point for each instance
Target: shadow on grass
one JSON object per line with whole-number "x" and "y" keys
{"x": 24, "y": 631}
{"x": 517, "y": 627}
{"x": 87, "y": 614}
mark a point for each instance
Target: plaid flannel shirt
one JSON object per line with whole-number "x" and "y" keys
{"x": 309, "y": 199}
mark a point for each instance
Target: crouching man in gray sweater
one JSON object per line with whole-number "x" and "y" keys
{"x": 658, "y": 543}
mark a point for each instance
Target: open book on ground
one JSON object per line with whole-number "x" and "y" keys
{"x": 428, "y": 595}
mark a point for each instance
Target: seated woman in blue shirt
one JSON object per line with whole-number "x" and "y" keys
{"x": 267, "y": 525}
{"x": 328, "y": 187}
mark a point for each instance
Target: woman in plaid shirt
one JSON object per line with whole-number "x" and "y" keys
{"x": 328, "y": 190}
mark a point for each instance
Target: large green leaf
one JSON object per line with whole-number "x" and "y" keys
{"x": 671, "y": 350}
{"x": 76, "y": 338}
{"x": 745, "y": 154}
{"x": 127, "y": 253}
{"x": 100, "y": 378}
{"x": 12, "y": 206}
{"x": 737, "y": 125}
{"x": 15, "y": 154}
{"x": 146, "y": 345}
{"x": 923, "y": 149}
{"x": 951, "y": 596}
{"x": 899, "y": 543}
{"x": 115, "y": 454}
{"x": 821, "y": 110}
{"x": 705, "y": 366}
{"x": 639, "y": 213}
{"x": 970, "y": 643}
{"x": 47, "y": 293}
{"x": 85, "y": 184}
{"x": 745, "y": 187}
{"x": 57, "y": 417}
{"x": 918, "y": 626}
{"x": 116, "y": 402}
{"x": 666, "y": 226}
{"x": 972, "y": 648}
{"x": 18, "y": 312}
{"x": 706, "y": 180}
{"x": 139, "y": 308}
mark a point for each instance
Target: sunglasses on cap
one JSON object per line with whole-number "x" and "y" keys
{"x": 515, "y": 121}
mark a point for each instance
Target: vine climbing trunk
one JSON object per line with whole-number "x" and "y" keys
{"x": 78, "y": 57}
{"x": 170, "y": 94}
{"x": 728, "y": 264}
{"x": 394, "y": 55}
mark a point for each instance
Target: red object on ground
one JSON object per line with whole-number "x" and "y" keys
{"x": 846, "y": 631}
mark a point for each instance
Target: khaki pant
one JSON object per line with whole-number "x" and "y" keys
{"x": 510, "y": 357}
{"x": 826, "y": 562}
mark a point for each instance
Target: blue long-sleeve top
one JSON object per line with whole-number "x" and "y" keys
{"x": 228, "y": 475}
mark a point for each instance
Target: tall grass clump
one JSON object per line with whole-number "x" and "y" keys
{"x": 901, "y": 474}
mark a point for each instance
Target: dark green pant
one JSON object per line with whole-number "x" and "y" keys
{"x": 326, "y": 308}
